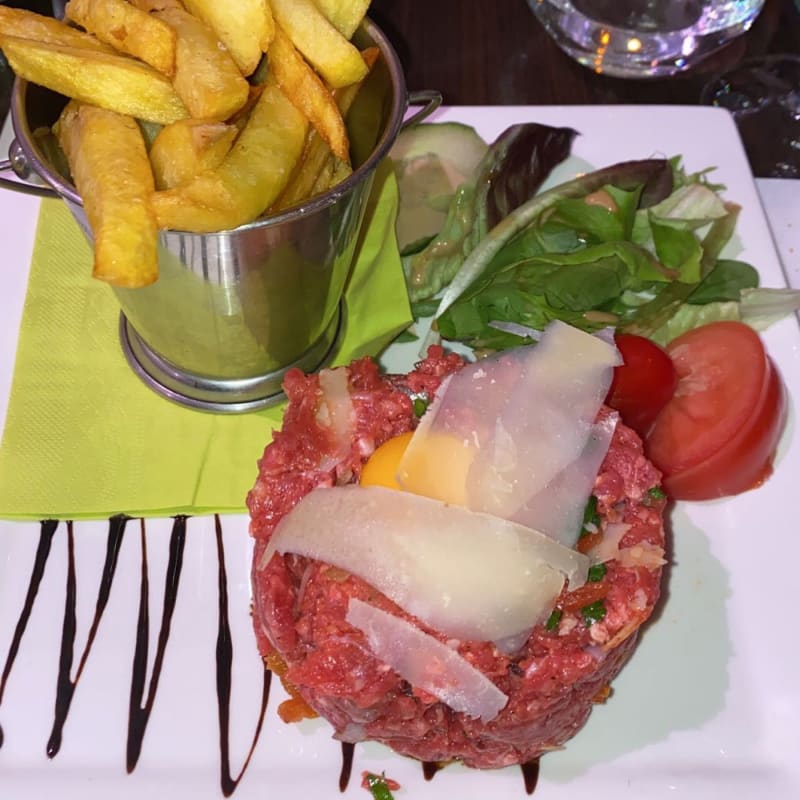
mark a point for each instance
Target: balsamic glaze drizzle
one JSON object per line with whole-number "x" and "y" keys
{"x": 228, "y": 783}
{"x": 530, "y": 773}
{"x": 65, "y": 684}
{"x": 138, "y": 714}
{"x": 429, "y": 769}
{"x": 46, "y": 530}
{"x": 348, "y": 748}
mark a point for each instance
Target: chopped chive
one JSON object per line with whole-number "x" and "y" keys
{"x": 596, "y": 573}
{"x": 591, "y": 519}
{"x": 553, "y": 620}
{"x": 378, "y": 786}
{"x": 656, "y": 493}
{"x": 594, "y": 612}
{"x": 420, "y": 406}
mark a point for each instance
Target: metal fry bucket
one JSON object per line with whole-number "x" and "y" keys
{"x": 232, "y": 311}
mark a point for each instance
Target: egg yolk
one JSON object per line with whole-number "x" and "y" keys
{"x": 437, "y": 467}
{"x": 381, "y": 468}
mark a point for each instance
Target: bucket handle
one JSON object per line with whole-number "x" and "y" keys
{"x": 429, "y": 99}
{"x": 18, "y": 164}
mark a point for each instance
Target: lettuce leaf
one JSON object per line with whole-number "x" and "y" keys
{"x": 512, "y": 171}
{"x": 645, "y": 262}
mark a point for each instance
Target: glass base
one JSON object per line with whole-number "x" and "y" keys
{"x": 763, "y": 94}
{"x": 638, "y": 38}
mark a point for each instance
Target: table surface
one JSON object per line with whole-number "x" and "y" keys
{"x": 497, "y": 53}
{"x": 480, "y": 53}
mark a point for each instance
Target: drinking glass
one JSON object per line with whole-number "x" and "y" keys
{"x": 763, "y": 96}
{"x": 643, "y": 38}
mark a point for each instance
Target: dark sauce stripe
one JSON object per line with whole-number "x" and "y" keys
{"x": 46, "y": 530}
{"x": 348, "y": 748}
{"x": 530, "y": 773}
{"x": 429, "y": 769}
{"x": 138, "y": 714}
{"x": 65, "y": 684}
{"x": 228, "y": 783}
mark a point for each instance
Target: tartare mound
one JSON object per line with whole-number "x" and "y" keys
{"x": 300, "y": 605}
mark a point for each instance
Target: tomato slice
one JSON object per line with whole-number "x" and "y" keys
{"x": 643, "y": 384}
{"x": 718, "y": 434}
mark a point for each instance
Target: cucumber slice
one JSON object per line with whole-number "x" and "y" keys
{"x": 431, "y": 161}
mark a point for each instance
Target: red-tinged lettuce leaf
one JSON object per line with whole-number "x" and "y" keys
{"x": 521, "y": 158}
{"x": 512, "y": 171}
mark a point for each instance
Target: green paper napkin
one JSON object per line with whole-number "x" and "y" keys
{"x": 85, "y": 438}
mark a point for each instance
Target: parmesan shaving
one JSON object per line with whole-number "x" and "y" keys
{"x": 468, "y": 575}
{"x": 522, "y": 427}
{"x": 426, "y": 663}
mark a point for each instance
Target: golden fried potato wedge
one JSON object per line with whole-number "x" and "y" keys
{"x": 316, "y": 153}
{"x": 302, "y": 86}
{"x": 341, "y": 171}
{"x": 206, "y": 77}
{"x": 27, "y": 25}
{"x": 186, "y": 148}
{"x": 249, "y": 179}
{"x": 109, "y": 164}
{"x": 245, "y": 27}
{"x": 128, "y": 29}
{"x": 338, "y": 61}
{"x": 115, "y": 82}
{"x": 344, "y": 15}
{"x": 156, "y": 5}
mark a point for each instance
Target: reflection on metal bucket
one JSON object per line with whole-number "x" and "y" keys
{"x": 232, "y": 311}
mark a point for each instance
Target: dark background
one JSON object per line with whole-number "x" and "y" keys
{"x": 495, "y": 52}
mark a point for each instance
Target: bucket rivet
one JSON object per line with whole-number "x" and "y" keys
{"x": 18, "y": 161}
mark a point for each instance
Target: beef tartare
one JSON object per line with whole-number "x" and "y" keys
{"x": 333, "y": 424}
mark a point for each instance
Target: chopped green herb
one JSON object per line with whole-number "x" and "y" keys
{"x": 594, "y": 612}
{"x": 590, "y": 517}
{"x": 656, "y": 493}
{"x": 553, "y": 620}
{"x": 420, "y": 406}
{"x": 379, "y": 785}
{"x": 596, "y": 573}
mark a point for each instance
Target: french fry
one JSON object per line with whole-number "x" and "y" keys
{"x": 117, "y": 83}
{"x": 335, "y": 58}
{"x": 344, "y": 15}
{"x": 128, "y": 29}
{"x": 156, "y": 5}
{"x": 302, "y": 86}
{"x": 245, "y": 27}
{"x": 109, "y": 164}
{"x": 27, "y": 25}
{"x": 333, "y": 172}
{"x": 316, "y": 153}
{"x": 186, "y": 148}
{"x": 249, "y": 179}
{"x": 206, "y": 77}
{"x": 324, "y": 177}
{"x": 342, "y": 170}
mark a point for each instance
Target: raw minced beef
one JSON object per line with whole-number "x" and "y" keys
{"x": 300, "y": 605}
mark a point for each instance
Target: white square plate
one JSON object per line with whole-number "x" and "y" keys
{"x": 707, "y": 707}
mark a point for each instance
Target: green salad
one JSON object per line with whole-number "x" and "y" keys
{"x": 636, "y": 246}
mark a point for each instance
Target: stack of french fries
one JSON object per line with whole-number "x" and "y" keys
{"x": 192, "y": 115}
